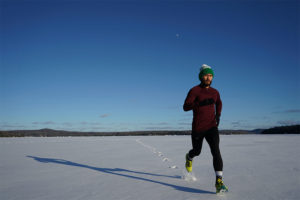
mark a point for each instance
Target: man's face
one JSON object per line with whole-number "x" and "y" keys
{"x": 207, "y": 79}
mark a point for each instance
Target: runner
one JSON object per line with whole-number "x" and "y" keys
{"x": 206, "y": 104}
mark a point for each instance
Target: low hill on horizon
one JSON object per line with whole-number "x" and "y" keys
{"x": 46, "y": 132}
{"x": 282, "y": 130}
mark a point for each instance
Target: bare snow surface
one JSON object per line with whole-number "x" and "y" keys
{"x": 147, "y": 168}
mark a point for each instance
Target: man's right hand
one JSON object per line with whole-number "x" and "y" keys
{"x": 218, "y": 120}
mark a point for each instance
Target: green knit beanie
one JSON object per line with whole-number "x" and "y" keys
{"x": 205, "y": 69}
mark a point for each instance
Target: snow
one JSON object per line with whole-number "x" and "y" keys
{"x": 147, "y": 167}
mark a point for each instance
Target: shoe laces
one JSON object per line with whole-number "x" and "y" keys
{"x": 220, "y": 181}
{"x": 189, "y": 163}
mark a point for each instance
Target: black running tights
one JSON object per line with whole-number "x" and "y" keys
{"x": 213, "y": 140}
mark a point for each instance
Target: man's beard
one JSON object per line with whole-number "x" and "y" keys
{"x": 206, "y": 83}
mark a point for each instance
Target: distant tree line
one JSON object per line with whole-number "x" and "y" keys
{"x": 283, "y": 130}
{"x": 56, "y": 133}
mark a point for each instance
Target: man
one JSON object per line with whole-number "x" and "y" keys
{"x": 206, "y": 105}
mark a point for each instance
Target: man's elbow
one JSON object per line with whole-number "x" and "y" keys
{"x": 186, "y": 108}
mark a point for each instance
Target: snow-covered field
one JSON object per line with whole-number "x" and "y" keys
{"x": 259, "y": 167}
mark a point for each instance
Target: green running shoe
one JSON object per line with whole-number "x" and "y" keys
{"x": 188, "y": 163}
{"x": 220, "y": 187}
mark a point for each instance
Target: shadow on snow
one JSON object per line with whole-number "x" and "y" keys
{"x": 117, "y": 171}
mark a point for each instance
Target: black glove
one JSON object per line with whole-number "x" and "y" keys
{"x": 205, "y": 102}
{"x": 218, "y": 119}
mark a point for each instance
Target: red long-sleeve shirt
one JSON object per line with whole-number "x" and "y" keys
{"x": 204, "y": 116}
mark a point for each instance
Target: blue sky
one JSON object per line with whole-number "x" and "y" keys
{"x": 128, "y": 65}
